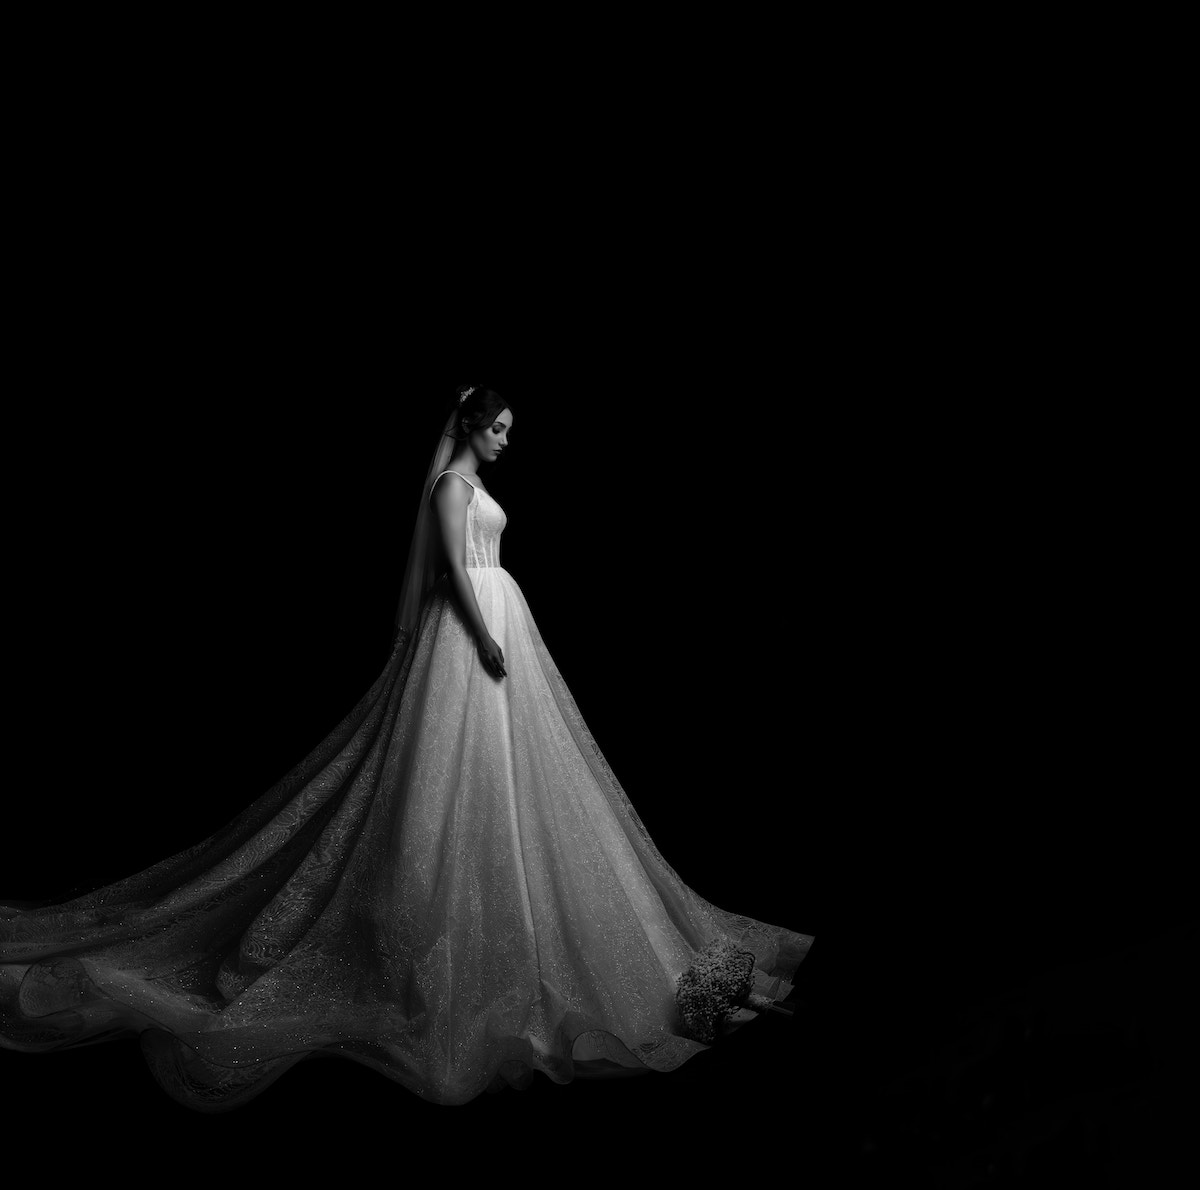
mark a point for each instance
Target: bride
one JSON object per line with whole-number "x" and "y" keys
{"x": 452, "y": 888}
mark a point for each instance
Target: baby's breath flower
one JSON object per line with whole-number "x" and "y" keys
{"x": 714, "y": 986}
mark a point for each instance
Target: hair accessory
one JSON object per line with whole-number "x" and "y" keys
{"x": 466, "y": 394}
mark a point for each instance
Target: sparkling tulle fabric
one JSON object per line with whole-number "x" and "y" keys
{"x": 452, "y": 888}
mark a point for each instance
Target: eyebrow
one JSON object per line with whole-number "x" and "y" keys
{"x": 500, "y": 422}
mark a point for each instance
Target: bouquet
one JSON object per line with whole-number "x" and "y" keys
{"x": 716, "y": 984}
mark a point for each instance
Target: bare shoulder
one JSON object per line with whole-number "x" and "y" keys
{"x": 451, "y": 491}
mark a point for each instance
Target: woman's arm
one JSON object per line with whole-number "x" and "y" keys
{"x": 451, "y": 495}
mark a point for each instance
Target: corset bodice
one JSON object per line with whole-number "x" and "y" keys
{"x": 485, "y": 523}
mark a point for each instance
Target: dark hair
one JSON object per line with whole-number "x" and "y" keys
{"x": 480, "y": 409}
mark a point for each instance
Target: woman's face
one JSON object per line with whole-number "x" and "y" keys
{"x": 489, "y": 440}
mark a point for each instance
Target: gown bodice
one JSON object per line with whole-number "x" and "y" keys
{"x": 485, "y": 523}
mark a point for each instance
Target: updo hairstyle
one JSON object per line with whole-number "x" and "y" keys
{"x": 478, "y": 409}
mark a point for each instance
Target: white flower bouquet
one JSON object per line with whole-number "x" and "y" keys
{"x": 718, "y": 983}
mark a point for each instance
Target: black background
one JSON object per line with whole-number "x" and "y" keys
{"x": 867, "y": 616}
{"x": 851, "y": 686}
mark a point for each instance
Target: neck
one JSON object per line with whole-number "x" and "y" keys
{"x": 464, "y": 460}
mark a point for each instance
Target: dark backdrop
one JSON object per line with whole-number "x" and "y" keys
{"x": 855, "y": 640}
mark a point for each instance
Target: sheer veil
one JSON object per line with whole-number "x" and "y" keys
{"x": 420, "y": 573}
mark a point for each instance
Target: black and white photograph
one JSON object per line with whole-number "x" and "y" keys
{"x": 703, "y": 694}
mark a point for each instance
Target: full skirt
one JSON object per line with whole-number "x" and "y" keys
{"x": 452, "y": 888}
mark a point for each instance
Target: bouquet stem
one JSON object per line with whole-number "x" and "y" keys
{"x": 758, "y": 1003}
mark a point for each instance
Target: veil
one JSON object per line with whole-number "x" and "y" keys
{"x": 420, "y": 572}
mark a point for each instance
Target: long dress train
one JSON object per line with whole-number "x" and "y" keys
{"x": 452, "y": 888}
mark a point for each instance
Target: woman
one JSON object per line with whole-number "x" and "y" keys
{"x": 452, "y": 888}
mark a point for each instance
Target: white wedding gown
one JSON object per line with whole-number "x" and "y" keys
{"x": 451, "y": 888}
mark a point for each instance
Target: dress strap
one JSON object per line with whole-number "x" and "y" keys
{"x": 448, "y": 471}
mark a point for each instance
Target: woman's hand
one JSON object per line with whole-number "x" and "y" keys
{"x": 493, "y": 656}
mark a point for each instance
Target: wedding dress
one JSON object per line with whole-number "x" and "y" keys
{"x": 452, "y": 888}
